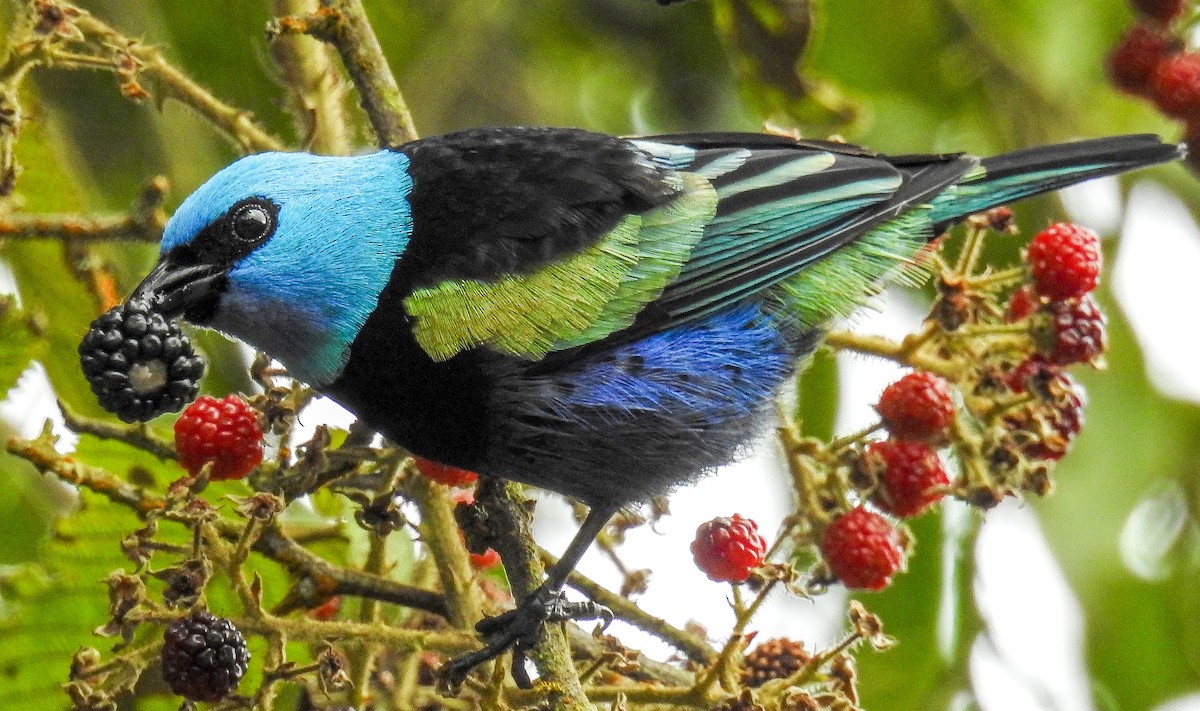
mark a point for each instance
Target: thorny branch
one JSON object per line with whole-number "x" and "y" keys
{"x": 344, "y": 24}
{"x": 322, "y": 576}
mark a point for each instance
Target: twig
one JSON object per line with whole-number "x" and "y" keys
{"x": 344, "y": 24}
{"x": 85, "y": 42}
{"x": 510, "y": 511}
{"x": 692, "y": 645}
{"x": 138, "y": 436}
{"x": 306, "y": 629}
{"x": 318, "y": 91}
{"x": 144, "y": 222}
{"x": 315, "y": 573}
{"x": 885, "y": 348}
{"x": 439, "y": 531}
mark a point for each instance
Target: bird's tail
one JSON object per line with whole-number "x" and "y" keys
{"x": 1019, "y": 174}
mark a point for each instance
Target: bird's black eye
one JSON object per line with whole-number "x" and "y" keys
{"x": 253, "y": 221}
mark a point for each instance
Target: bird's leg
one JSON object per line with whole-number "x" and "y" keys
{"x": 520, "y": 628}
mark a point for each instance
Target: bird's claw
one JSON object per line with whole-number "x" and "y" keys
{"x": 519, "y": 630}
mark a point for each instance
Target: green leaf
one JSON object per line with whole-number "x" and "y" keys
{"x": 53, "y": 607}
{"x": 18, "y": 343}
{"x": 923, "y": 672}
{"x": 817, "y": 395}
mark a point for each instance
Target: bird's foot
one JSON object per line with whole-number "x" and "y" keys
{"x": 519, "y": 630}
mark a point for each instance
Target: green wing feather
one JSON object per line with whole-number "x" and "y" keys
{"x": 833, "y": 287}
{"x": 571, "y": 302}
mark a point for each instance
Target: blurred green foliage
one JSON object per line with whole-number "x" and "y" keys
{"x": 925, "y": 75}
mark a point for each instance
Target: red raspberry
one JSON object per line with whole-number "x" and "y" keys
{"x": 727, "y": 549}
{"x": 911, "y": 476}
{"x": 1175, "y": 85}
{"x": 444, "y": 473}
{"x": 917, "y": 406}
{"x": 224, "y": 432}
{"x": 1132, "y": 62}
{"x": 862, "y": 549}
{"x": 1164, "y": 11}
{"x": 1074, "y": 333}
{"x": 1021, "y": 304}
{"x": 1064, "y": 261}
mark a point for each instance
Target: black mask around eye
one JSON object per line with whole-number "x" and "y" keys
{"x": 239, "y": 231}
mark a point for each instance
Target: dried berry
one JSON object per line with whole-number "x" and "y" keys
{"x": 1047, "y": 427}
{"x": 728, "y": 549}
{"x": 224, "y": 432}
{"x": 470, "y": 520}
{"x": 203, "y": 657}
{"x": 862, "y": 549}
{"x": 776, "y": 658}
{"x": 138, "y": 364}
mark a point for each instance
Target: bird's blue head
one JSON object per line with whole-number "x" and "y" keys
{"x": 288, "y": 252}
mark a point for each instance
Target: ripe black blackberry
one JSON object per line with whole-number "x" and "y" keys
{"x": 139, "y": 364}
{"x": 203, "y": 657}
{"x": 776, "y": 658}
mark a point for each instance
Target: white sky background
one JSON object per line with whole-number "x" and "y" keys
{"x": 1033, "y": 658}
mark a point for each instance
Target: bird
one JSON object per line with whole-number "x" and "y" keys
{"x": 600, "y": 316}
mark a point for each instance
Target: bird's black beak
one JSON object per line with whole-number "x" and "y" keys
{"x": 189, "y": 290}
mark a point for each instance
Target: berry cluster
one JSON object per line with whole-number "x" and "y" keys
{"x": 1152, "y": 61}
{"x": 991, "y": 388}
{"x": 139, "y": 364}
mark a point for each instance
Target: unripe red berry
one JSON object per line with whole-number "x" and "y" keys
{"x": 1074, "y": 332}
{"x": 444, "y": 473}
{"x": 1064, "y": 261}
{"x": 917, "y": 406}
{"x": 1132, "y": 62}
{"x": 224, "y": 432}
{"x": 911, "y": 476}
{"x": 728, "y": 549}
{"x": 1021, "y": 304}
{"x": 862, "y": 549}
{"x": 1175, "y": 85}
